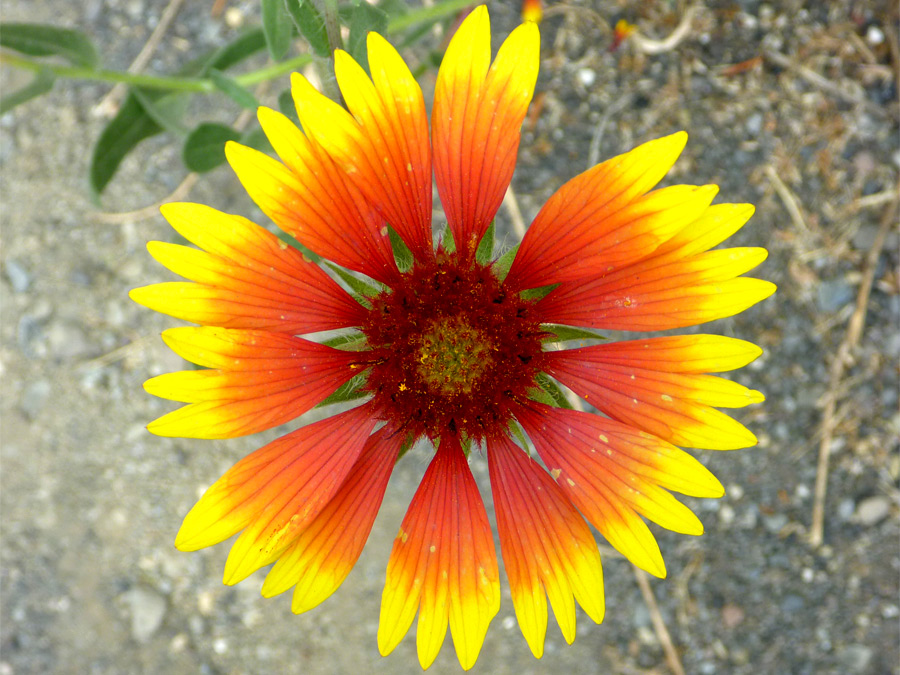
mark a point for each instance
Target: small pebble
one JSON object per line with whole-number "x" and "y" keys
{"x": 148, "y": 608}
{"x": 587, "y": 77}
{"x": 34, "y": 398}
{"x": 874, "y": 35}
{"x": 855, "y": 658}
{"x": 18, "y": 276}
{"x": 872, "y": 511}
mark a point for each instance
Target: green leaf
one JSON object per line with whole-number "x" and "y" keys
{"x": 42, "y": 40}
{"x": 538, "y": 293}
{"x": 164, "y": 108}
{"x": 277, "y": 28}
{"x": 204, "y": 148}
{"x": 349, "y": 391}
{"x": 447, "y": 241}
{"x": 40, "y": 84}
{"x": 406, "y": 446}
{"x": 311, "y": 25}
{"x": 364, "y": 18}
{"x": 351, "y": 342}
{"x": 243, "y": 46}
{"x": 287, "y": 107}
{"x": 516, "y": 431}
{"x": 256, "y": 138}
{"x": 485, "y": 250}
{"x": 549, "y": 393}
{"x": 560, "y": 333}
{"x": 402, "y": 255}
{"x": 361, "y": 289}
{"x": 129, "y": 127}
{"x": 504, "y": 262}
{"x": 234, "y": 91}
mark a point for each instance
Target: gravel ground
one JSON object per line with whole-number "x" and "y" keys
{"x": 90, "y": 501}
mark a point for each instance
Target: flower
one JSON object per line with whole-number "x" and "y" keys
{"x": 448, "y": 344}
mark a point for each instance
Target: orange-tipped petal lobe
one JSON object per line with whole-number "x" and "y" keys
{"x": 587, "y": 216}
{"x": 443, "y": 564}
{"x": 246, "y": 278}
{"x": 477, "y": 115}
{"x": 256, "y": 380}
{"x": 676, "y": 406}
{"x": 277, "y": 489}
{"x": 319, "y": 560}
{"x": 546, "y": 545}
{"x": 613, "y": 473}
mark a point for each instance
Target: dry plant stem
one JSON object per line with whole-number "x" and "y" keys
{"x": 515, "y": 214}
{"x": 841, "y": 359}
{"x": 662, "y": 633}
{"x": 817, "y": 80}
{"x": 110, "y": 103}
{"x": 790, "y": 201}
{"x": 616, "y": 107}
{"x": 659, "y": 625}
{"x": 649, "y": 46}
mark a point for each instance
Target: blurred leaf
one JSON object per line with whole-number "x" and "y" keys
{"x": 40, "y": 84}
{"x": 364, "y": 18}
{"x": 129, "y": 127}
{"x": 256, "y": 139}
{"x": 245, "y": 45}
{"x": 559, "y": 333}
{"x": 42, "y": 40}
{"x": 485, "y": 250}
{"x": 204, "y": 148}
{"x": 166, "y": 109}
{"x": 277, "y": 28}
{"x": 402, "y": 255}
{"x": 240, "y": 95}
{"x": 287, "y": 107}
{"x": 311, "y": 25}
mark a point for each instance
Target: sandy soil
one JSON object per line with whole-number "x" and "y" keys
{"x": 89, "y": 578}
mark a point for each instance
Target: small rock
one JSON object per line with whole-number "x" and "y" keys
{"x": 792, "y": 603}
{"x": 775, "y": 522}
{"x": 67, "y": 340}
{"x": 872, "y": 511}
{"x": 18, "y": 276}
{"x": 845, "y": 509}
{"x": 587, "y": 77}
{"x": 855, "y": 658}
{"x": 148, "y": 608}
{"x": 732, "y": 615}
{"x": 34, "y": 397}
{"x": 832, "y": 295}
{"x": 754, "y": 125}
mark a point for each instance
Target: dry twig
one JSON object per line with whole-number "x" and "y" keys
{"x": 515, "y": 214}
{"x": 667, "y": 44}
{"x": 788, "y": 198}
{"x": 841, "y": 359}
{"x": 662, "y": 633}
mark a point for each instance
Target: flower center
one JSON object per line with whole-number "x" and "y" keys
{"x": 451, "y": 350}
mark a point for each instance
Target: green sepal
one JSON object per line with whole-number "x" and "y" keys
{"x": 402, "y": 255}
{"x": 519, "y": 435}
{"x": 350, "y": 342}
{"x": 504, "y": 262}
{"x": 448, "y": 243}
{"x": 407, "y": 445}
{"x": 559, "y": 333}
{"x": 351, "y": 390}
{"x": 361, "y": 290}
{"x": 548, "y": 393}
{"x": 485, "y": 251}
{"x": 538, "y": 293}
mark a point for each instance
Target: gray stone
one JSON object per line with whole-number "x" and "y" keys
{"x": 34, "y": 397}
{"x": 18, "y": 276}
{"x": 855, "y": 658}
{"x": 832, "y": 295}
{"x": 148, "y": 609}
{"x": 872, "y": 510}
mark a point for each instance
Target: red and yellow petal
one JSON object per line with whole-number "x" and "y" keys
{"x": 322, "y": 556}
{"x": 311, "y": 200}
{"x": 273, "y": 493}
{"x": 546, "y": 544}
{"x": 382, "y": 144}
{"x": 587, "y": 217}
{"x": 443, "y": 564}
{"x": 476, "y": 122}
{"x": 246, "y": 278}
{"x": 676, "y": 406}
{"x": 614, "y": 474}
{"x": 256, "y": 380}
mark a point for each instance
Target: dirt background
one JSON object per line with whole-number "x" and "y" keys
{"x": 89, "y": 577}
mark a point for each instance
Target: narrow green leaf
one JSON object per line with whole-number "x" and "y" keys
{"x": 360, "y": 288}
{"x": 204, "y": 148}
{"x": 504, "y": 262}
{"x": 406, "y": 446}
{"x": 402, "y": 255}
{"x": 349, "y": 391}
{"x": 364, "y": 18}
{"x": 277, "y": 28}
{"x": 164, "y": 108}
{"x": 549, "y": 393}
{"x": 485, "y": 250}
{"x": 245, "y": 45}
{"x": 37, "y": 39}
{"x": 129, "y": 127}
{"x": 351, "y": 342}
{"x": 311, "y": 25}
{"x": 560, "y": 333}
{"x": 447, "y": 241}
{"x": 287, "y": 107}
{"x": 538, "y": 293}
{"x": 516, "y": 431}
{"x": 40, "y": 84}
{"x": 234, "y": 91}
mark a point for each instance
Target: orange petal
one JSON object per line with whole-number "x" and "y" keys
{"x": 257, "y": 380}
{"x": 276, "y": 490}
{"x": 675, "y": 406}
{"x": 247, "y": 278}
{"x": 322, "y": 556}
{"x": 613, "y": 473}
{"x": 476, "y": 121}
{"x": 311, "y": 200}
{"x": 582, "y": 219}
{"x": 442, "y": 564}
{"x": 383, "y": 145}
{"x": 546, "y": 546}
